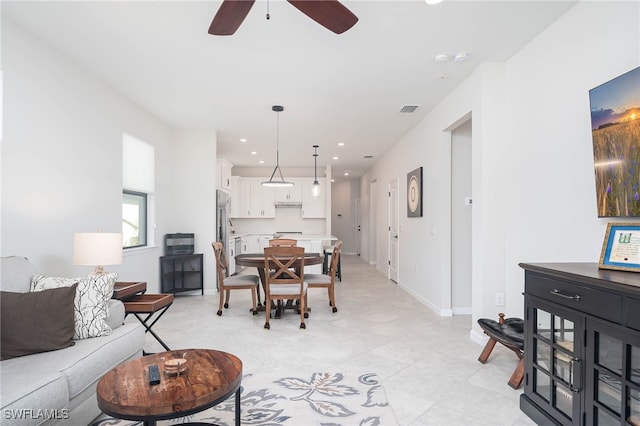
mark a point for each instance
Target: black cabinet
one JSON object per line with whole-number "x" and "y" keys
{"x": 582, "y": 345}
{"x": 181, "y": 273}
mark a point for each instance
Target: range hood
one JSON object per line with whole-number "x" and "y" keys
{"x": 288, "y": 204}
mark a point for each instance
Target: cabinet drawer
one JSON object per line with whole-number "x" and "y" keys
{"x": 598, "y": 303}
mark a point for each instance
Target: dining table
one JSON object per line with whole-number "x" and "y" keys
{"x": 256, "y": 260}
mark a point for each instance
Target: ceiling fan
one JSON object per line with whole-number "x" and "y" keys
{"x": 331, "y": 14}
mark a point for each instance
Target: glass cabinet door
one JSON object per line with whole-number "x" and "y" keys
{"x": 614, "y": 370}
{"x": 555, "y": 342}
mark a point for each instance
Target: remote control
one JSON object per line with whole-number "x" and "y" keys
{"x": 154, "y": 375}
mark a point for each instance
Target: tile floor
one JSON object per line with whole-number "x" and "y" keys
{"x": 428, "y": 364}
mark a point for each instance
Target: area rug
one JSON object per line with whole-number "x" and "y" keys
{"x": 322, "y": 399}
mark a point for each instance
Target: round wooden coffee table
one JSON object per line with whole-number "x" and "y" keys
{"x": 211, "y": 377}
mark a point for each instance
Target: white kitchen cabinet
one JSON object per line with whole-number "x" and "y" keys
{"x": 231, "y": 257}
{"x": 262, "y": 199}
{"x": 250, "y": 244}
{"x": 224, "y": 174}
{"x": 249, "y": 199}
{"x": 314, "y": 207}
{"x": 264, "y": 241}
{"x": 290, "y": 194}
{"x": 240, "y": 197}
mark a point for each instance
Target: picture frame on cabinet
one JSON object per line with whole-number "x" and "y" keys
{"x": 414, "y": 193}
{"x": 621, "y": 247}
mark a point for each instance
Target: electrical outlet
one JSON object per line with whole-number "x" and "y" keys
{"x": 499, "y": 299}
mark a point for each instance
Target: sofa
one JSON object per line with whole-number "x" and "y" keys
{"x": 59, "y": 386}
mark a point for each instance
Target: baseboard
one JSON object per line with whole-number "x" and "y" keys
{"x": 462, "y": 311}
{"x": 438, "y": 311}
{"x": 477, "y": 337}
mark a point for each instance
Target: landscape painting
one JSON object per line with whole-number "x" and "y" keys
{"x": 615, "y": 130}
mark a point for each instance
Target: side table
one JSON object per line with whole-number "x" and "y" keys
{"x": 149, "y": 304}
{"x": 211, "y": 377}
{"x": 123, "y": 290}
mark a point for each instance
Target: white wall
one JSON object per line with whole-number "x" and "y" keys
{"x": 61, "y": 163}
{"x": 532, "y": 166}
{"x": 193, "y": 194}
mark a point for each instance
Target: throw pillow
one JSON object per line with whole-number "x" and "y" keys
{"x": 36, "y": 322}
{"x": 91, "y": 305}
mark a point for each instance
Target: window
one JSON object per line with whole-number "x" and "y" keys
{"x": 134, "y": 219}
{"x": 138, "y": 186}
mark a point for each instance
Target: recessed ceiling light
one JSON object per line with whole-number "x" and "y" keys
{"x": 261, "y": 161}
{"x": 432, "y": 2}
{"x": 461, "y": 57}
{"x": 253, "y": 153}
{"x": 346, "y": 173}
{"x": 243, "y": 140}
{"x": 441, "y": 58}
{"x": 335, "y": 158}
{"x": 340, "y": 143}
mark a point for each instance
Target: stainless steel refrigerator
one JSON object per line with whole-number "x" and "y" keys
{"x": 222, "y": 217}
{"x": 222, "y": 221}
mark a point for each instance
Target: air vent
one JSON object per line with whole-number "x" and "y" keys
{"x": 409, "y": 108}
{"x": 368, "y": 156}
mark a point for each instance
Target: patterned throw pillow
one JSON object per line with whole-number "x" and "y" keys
{"x": 91, "y": 304}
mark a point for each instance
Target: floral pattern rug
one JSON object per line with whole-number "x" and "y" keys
{"x": 322, "y": 399}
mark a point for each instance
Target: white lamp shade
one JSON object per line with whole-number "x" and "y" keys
{"x": 97, "y": 248}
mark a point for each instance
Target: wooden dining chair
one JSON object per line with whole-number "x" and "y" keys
{"x": 227, "y": 283}
{"x": 283, "y": 242}
{"x": 285, "y": 279}
{"x": 327, "y": 280}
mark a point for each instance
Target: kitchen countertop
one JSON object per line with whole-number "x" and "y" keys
{"x": 291, "y": 236}
{"x": 309, "y": 236}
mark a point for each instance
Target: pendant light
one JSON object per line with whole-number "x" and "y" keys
{"x": 278, "y": 183}
{"x": 315, "y": 188}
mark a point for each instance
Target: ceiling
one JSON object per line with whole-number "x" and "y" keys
{"x": 346, "y": 88}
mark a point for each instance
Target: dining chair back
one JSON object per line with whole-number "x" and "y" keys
{"x": 285, "y": 278}
{"x": 327, "y": 280}
{"x": 227, "y": 283}
{"x": 283, "y": 242}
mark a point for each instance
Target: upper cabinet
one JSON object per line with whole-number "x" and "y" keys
{"x": 290, "y": 194}
{"x": 224, "y": 174}
{"x": 252, "y": 200}
{"x": 313, "y": 207}
{"x": 249, "y": 199}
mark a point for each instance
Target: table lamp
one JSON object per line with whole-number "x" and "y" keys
{"x": 97, "y": 249}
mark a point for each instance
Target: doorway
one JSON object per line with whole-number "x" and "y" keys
{"x": 461, "y": 219}
{"x": 394, "y": 235}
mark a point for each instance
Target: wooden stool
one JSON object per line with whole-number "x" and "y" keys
{"x": 509, "y": 332}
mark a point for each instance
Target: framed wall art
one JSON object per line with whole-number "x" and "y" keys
{"x": 621, "y": 247}
{"x": 615, "y": 133}
{"x": 414, "y": 193}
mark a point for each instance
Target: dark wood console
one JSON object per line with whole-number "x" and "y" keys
{"x": 582, "y": 345}
{"x": 182, "y": 272}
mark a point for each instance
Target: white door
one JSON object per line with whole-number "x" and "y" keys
{"x": 394, "y": 237}
{"x": 358, "y": 227}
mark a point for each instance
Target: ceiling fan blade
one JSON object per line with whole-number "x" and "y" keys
{"x": 229, "y": 16}
{"x": 331, "y": 14}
